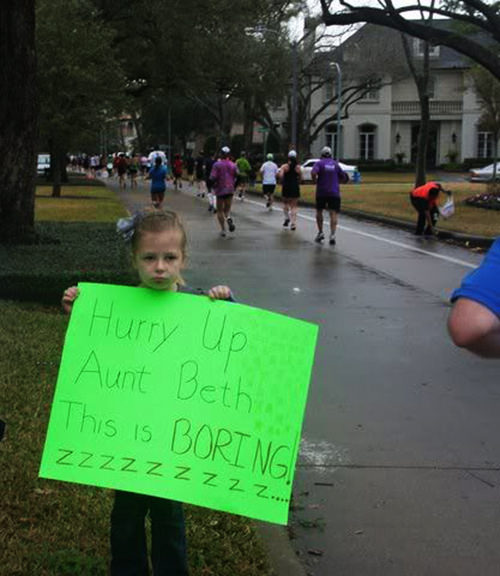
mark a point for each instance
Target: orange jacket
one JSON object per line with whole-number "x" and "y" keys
{"x": 423, "y": 192}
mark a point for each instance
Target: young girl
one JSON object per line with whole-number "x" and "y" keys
{"x": 158, "y": 242}
{"x": 290, "y": 177}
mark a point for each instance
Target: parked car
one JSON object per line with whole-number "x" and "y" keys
{"x": 484, "y": 174}
{"x": 307, "y": 166}
{"x": 43, "y": 164}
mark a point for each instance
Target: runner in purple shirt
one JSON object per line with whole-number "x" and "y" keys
{"x": 223, "y": 176}
{"x": 327, "y": 175}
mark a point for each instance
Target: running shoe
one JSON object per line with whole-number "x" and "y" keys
{"x": 268, "y": 204}
{"x": 332, "y": 240}
{"x": 286, "y": 222}
{"x": 231, "y": 225}
{"x": 293, "y": 227}
{"x": 319, "y": 237}
{"x": 223, "y": 233}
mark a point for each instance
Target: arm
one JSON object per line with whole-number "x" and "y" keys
{"x": 474, "y": 322}
{"x": 69, "y": 296}
{"x": 474, "y": 327}
{"x": 298, "y": 170}
{"x": 428, "y": 219}
{"x": 281, "y": 171}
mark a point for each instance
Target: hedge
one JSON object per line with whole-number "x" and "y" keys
{"x": 68, "y": 253}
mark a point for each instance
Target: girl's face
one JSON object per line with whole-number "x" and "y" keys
{"x": 158, "y": 259}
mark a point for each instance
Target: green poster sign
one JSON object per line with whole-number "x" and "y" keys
{"x": 181, "y": 397}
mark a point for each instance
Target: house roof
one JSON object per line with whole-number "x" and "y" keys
{"x": 369, "y": 37}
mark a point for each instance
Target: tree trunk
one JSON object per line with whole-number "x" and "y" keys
{"x": 18, "y": 121}
{"x": 138, "y": 129}
{"x": 423, "y": 135}
{"x": 58, "y": 173}
{"x": 248, "y": 111}
{"x": 56, "y": 167}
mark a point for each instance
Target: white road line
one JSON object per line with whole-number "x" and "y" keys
{"x": 382, "y": 239}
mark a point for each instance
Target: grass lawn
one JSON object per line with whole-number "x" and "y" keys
{"x": 78, "y": 204}
{"x": 50, "y": 528}
{"x": 387, "y": 195}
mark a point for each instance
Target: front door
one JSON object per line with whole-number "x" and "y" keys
{"x": 431, "y": 143}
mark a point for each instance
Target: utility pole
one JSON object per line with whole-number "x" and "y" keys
{"x": 294, "y": 95}
{"x": 338, "y": 147}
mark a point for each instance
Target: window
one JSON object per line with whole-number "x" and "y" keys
{"x": 372, "y": 95}
{"x": 367, "y": 142}
{"x": 331, "y": 138}
{"x": 419, "y": 49}
{"x": 484, "y": 145}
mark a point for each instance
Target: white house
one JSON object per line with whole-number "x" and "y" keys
{"x": 384, "y": 124}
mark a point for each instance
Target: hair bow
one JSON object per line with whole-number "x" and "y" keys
{"x": 125, "y": 227}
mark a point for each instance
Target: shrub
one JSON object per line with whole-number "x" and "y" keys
{"x": 70, "y": 252}
{"x": 469, "y": 163}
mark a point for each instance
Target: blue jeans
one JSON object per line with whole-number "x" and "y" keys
{"x": 129, "y": 556}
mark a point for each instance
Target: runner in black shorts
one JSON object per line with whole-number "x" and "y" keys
{"x": 328, "y": 203}
{"x": 327, "y": 175}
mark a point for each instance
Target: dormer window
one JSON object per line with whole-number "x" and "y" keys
{"x": 419, "y": 49}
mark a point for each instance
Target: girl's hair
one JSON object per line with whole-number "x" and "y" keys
{"x": 158, "y": 161}
{"x": 158, "y": 221}
{"x": 293, "y": 162}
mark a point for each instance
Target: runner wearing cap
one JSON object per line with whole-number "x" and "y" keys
{"x": 223, "y": 176}
{"x": 327, "y": 174}
{"x": 269, "y": 171}
{"x": 290, "y": 178}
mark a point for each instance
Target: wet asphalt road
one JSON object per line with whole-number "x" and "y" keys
{"x": 399, "y": 470}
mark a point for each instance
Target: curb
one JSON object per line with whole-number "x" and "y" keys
{"x": 469, "y": 240}
{"x": 482, "y": 241}
{"x": 279, "y": 551}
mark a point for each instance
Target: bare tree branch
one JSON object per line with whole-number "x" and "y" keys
{"x": 478, "y": 15}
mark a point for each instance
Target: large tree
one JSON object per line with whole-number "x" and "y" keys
{"x": 476, "y": 32}
{"x": 80, "y": 80}
{"x": 204, "y": 55}
{"x": 18, "y": 120}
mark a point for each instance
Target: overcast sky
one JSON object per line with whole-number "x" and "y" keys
{"x": 297, "y": 26}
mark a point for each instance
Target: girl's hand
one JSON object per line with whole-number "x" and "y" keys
{"x": 69, "y": 296}
{"x": 220, "y": 293}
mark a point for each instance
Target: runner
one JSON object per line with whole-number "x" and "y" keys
{"x": 244, "y": 170}
{"x": 190, "y": 167}
{"x": 327, "y": 174}
{"x": 290, "y": 178}
{"x": 158, "y": 175}
{"x": 200, "y": 175}
{"x": 133, "y": 169}
{"x": 209, "y": 162}
{"x": 177, "y": 171}
{"x": 121, "y": 169}
{"x": 269, "y": 171}
{"x": 223, "y": 176}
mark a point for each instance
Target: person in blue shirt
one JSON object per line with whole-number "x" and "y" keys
{"x": 474, "y": 322}
{"x": 158, "y": 176}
